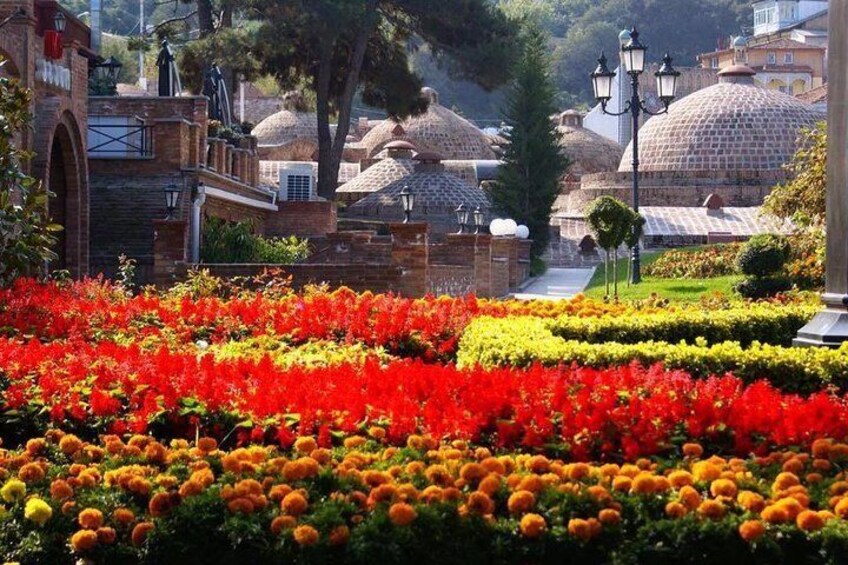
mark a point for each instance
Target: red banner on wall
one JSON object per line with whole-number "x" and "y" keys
{"x": 52, "y": 44}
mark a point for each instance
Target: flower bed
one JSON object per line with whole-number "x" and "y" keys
{"x": 704, "y": 263}
{"x": 141, "y": 501}
{"x": 520, "y": 342}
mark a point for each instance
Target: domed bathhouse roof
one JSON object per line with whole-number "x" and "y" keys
{"x": 437, "y": 195}
{"x": 730, "y": 126}
{"x": 396, "y": 165}
{"x": 588, "y": 151}
{"x": 289, "y": 135}
{"x": 438, "y": 129}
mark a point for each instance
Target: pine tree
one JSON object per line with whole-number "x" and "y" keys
{"x": 528, "y": 182}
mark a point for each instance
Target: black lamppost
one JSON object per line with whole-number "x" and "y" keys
{"x": 109, "y": 70}
{"x": 172, "y": 197}
{"x": 478, "y": 220}
{"x": 633, "y": 61}
{"x": 461, "y": 217}
{"x": 407, "y": 198}
{"x": 59, "y": 21}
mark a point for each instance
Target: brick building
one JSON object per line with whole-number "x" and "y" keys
{"x": 58, "y": 80}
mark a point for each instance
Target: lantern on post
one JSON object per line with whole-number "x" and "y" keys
{"x": 461, "y": 217}
{"x": 172, "y": 198}
{"x": 407, "y": 199}
{"x": 479, "y": 220}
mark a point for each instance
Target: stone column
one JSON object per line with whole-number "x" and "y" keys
{"x": 499, "y": 267}
{"x": 483, "y": 266}
{"x": 169, "y": 251}
{"x": 411, "y": 252}
{"x": 830, "y": 326}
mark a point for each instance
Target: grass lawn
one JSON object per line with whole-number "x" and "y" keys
{"x": 681, "y": 290}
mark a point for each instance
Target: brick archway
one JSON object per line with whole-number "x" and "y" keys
{"x": 9, "y": 68}
{"x": 66, "y": 177}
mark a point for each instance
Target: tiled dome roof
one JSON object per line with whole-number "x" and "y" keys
{"x": 733, "y": 125}
{"x": 437, "y": 194}
{"x": 291, "y": 134}
{"x": 438, "y": 129}
{"x": 375, "y": 178}
{"x": 589, "y": 152}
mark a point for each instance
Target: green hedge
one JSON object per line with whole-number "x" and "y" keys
{"x": 766, "y": 323}
{"x": 521, "y": 341}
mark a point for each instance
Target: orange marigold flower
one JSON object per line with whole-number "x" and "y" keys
{"x": 106, "y": 536}
{"x": 90, "y": 518}
{"x": 279, "y": 492}
{"x": 809, "y": 521}
{"x": 339, "y": 535}
{"x": 438, "y": 475}
{"x": 207, "y": 444}
{"x": 35, "y": 446}
{"x": 792, "y": 505}
{"x": 622, "y": 483}
{"x": 472, "y": 472}
{"x": 160, "y": 504}
{"x": 490, "y": 484}
{"x": 775, "y": 514}
{"x": 294, "y": 503}
{"x": 643, "y": 483}
{"x": 123, "y": 516}
{"x": 84, "y": 540}
{"x": 533, "y": 483}
{"x": 240, "y": 505}
{"x": 680, "y": 478}
{"x": 190, "y": 488}
{"x": 712, "y": 509}
{"x": 479, "y": 503}
{"x": 690, "y": 497}
{"x": 675, "y": 510}
{"x": 538, "y": 464}
{"x": 841, "y": 509}
{"x": 533, "y": 525}
{"x": 402, "y": 514}
{"x": 609, "y": 517}
{"x": 751, "y": 501}
{"x": 31, "y": 473}
{"x": 493, "y": 465}
{"x": 280, "y": 523}
{"x": 821, "y": 448}
{"x": 578, "y": 471}
{"x": 61, "y": 490}
{"x": 431, "y": 494}
{"x": 692, "y": 450}
{"x": 705, "y": 471}
{"x": 354, "y": 442}
{"x": 751, "y": 530}
{"x": 305, "y": 535}
{"x": 580, "y": 529}
{"x": 140, "y": 532}
{"x": 794, "y": 465}
{"x": 521, "y": 501}
{"x": 377, "y": 432}
{"x": 723, "y": 487}
{"x": 785, "y": 480}
{"x": 70, "y": 444}
{"x": 68, "y": 506}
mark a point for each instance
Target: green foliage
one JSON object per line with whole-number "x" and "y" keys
{"x": 763, "y": 255}
{"x": 612, "y": 223}
{"x": 802, "y": 197}
{"x": 26, "y": 233}
{"x": 228, "y": 242}
{"x": 806, "y": 262}
{"x": 763, "y": 287}
{"x": 522, "y": 341}
{"x": 528, "y": 181}
{"x": 230, "y": 48}
{"x": 701, "y": 263}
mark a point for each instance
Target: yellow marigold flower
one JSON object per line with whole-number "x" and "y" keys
{"x": 609, "y": 517}
{"x": 629, "y": 470}
{"x": 841, "y": 508}
{"x": 38, "y": 511}
{"x": 705, "y": 471}
{"x": 84, "y": 540}
{"x": 294, "y": 503}
{"x": 751, "y": 530}
{"x": 580, "y": 529}
{"x": 675, "y": 510}
{"x": 13, "y": 490}
{"x": 402, "y": 514}
{"x": 723, "y": 487}
{"x": 785, "y": 480}
{"x": 521, "y": 501}
{"x": 90, "y": 519}
{"x": 643, "y": 483}
{"x": 712, "y": 509}
{"x": 533, "y": 525}
{"x": 622, "y": 483}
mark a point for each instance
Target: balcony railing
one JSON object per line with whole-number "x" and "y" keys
{"x": 120, "y": 140}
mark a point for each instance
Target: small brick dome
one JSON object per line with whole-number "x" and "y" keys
{"x": 289, "y": 135}
{"x": 589, "y": 152}
{"x": 374, "y": 178}
{"x": 438, "y": 130}
{"x": 731, "y": 126}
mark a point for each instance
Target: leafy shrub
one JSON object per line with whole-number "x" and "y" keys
{"x": 802, "y": 197}
{"x": 767, "y": 323}
{"x": 806, "y": 262}
{"x": 704, "y": 263}
{"x": 522, "y": 341}
{"x": 763, "y": 255}
{"x": 763, "y": 287}
{"x": 228, "y": 242}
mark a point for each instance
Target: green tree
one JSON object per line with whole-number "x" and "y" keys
{"x": 26, "y": 234}
{"x": 528, "y": 181}
{"x": 611, "y": 222}
{"x": 342, "y": 46}
{"x": 802, "y": 197}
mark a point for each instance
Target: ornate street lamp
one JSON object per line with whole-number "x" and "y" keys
{"x": 633, "y": 62}
{"x": 109, "y": 69}
{"x": 407, "y": 198}
{"x": 461, "y": 217}
{"x": 172, "y": 197}
{"x": 59, "y": 21}
{"x": 479, "y": 220}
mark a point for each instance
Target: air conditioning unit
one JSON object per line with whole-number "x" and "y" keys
{"x": 297, "y": 182}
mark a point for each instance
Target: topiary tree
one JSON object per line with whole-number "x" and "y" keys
{"x": 762, "y": 259}
{"x": 610, "y": 220}
{"x": 26, "y": 233}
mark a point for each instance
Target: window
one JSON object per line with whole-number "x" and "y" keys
{"x": 788, "y": 58}
{"x": 772, "y": 58}
{"x": 714, "y": 62}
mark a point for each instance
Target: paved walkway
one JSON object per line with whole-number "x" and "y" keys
{"x": 557, "y": 284}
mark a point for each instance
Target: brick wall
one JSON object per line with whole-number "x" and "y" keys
{"x": 359, "y": 276}
{"x": 303, "y": 219}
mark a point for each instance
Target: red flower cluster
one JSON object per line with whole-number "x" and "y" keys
{"x": 629, "y": 411}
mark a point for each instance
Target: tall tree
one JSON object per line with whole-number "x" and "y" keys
{"x": 528, "y": 182}
{"x": 344, "y": 46}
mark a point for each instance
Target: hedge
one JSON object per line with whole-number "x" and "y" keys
{"x": 522, "y": 341}
{"x": 766, "y": 323}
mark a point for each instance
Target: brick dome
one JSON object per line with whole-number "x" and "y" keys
{"x": 437, "y": 194}
{"x": 730, "y": 126}
{"x": 438, "y": 129}
{"x": 588, "y": 151}
{"x": 289, "y": 135}
{"x": 374, "y": 178}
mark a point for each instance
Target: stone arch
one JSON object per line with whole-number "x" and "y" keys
{"x": 776, "y": 84}
{"x": 66, "y": 176}
{"x": 10, "y": 68}
{"x": 799, "y": 86}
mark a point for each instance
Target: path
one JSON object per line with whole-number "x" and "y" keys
{"x": 557, "y": 284}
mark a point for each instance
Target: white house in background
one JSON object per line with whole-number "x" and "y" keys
{"x": 771, "y": 16}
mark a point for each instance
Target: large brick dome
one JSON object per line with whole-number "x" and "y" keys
{"x": 588, "y": 152}
{"x": 730, "y": 126}
{"x": 289, "y": 135}
{"x": 438, "y": 130}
